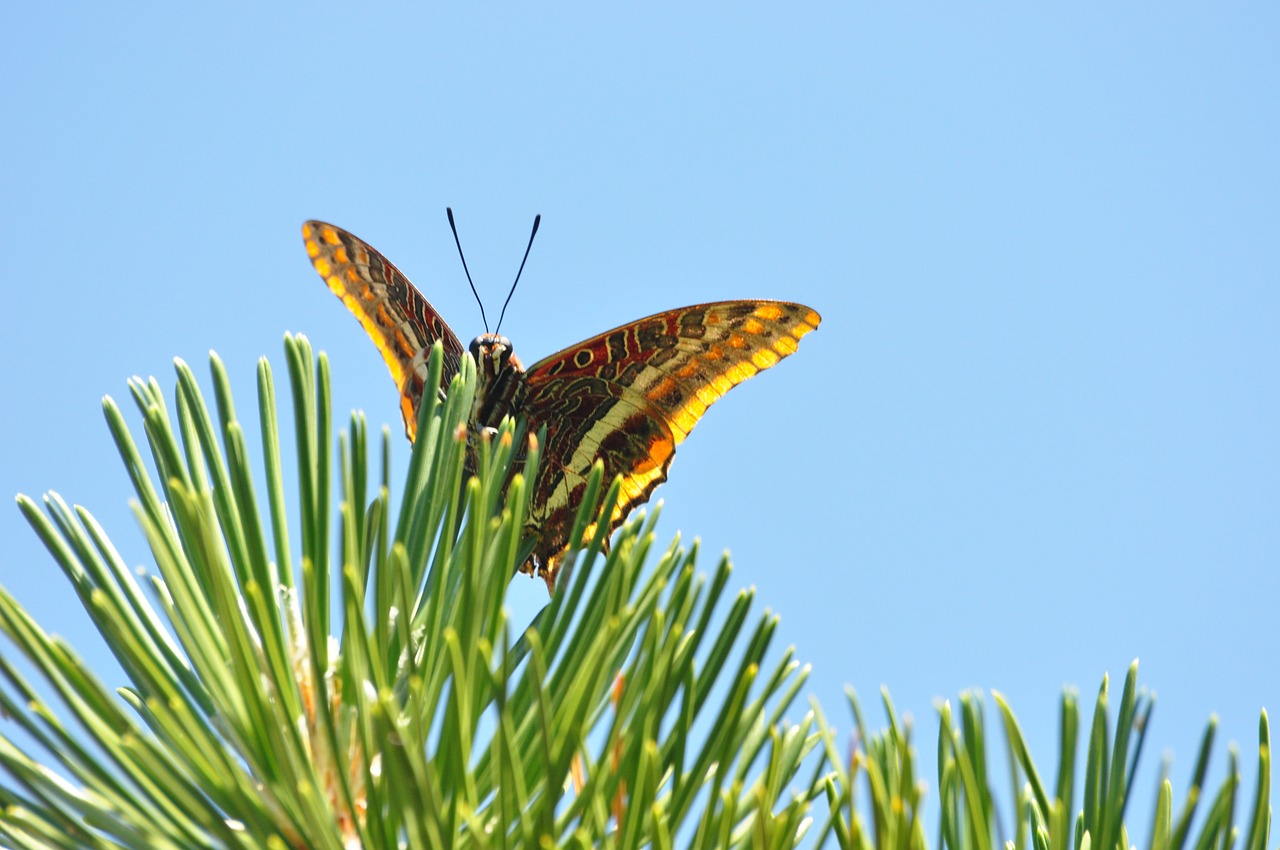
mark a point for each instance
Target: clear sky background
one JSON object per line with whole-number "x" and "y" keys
{"x": 1037, "y": 435}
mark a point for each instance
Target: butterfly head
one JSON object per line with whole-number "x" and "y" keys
{"x": 493, "y": 355}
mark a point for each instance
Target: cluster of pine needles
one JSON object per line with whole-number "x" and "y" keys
{"x": 309, "y": 675}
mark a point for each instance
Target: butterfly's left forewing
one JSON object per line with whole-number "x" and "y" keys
{"x": 629, "y": 396}
{"x": 399, "y": 320}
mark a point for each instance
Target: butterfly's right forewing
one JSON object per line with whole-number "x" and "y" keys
{"x": 401, "y": 323}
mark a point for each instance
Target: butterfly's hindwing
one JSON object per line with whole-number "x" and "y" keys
{"x": 401, "y": 323}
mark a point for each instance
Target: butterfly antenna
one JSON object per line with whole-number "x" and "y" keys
{"x": 458, "y": 242}
{"x": 537, "y": 219}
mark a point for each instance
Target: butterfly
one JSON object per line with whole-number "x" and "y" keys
{"x": 626, "y": 397}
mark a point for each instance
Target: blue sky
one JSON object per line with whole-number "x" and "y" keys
{"x": 1036, "y": 436}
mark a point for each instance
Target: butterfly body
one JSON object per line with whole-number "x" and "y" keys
{"x": 626, "y": 397}
{"x": 502, "y": 382}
